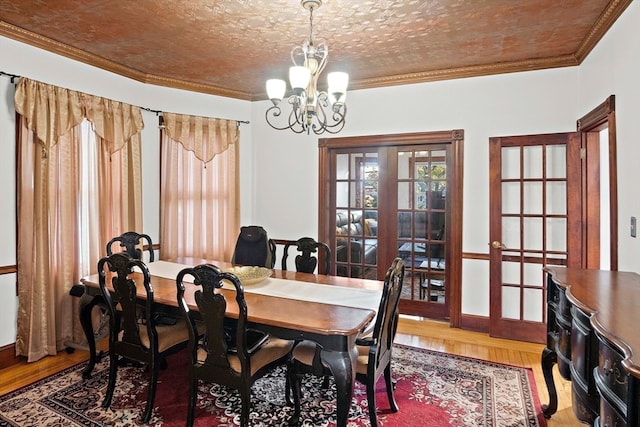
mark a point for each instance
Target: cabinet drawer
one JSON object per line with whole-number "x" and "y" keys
{"x": 611, "y": 377}
{"x": 609, "y": 417}
{"x": 583, "y": 347}
{"x": 564, "y": 309}
{"x": 563, "y": 352}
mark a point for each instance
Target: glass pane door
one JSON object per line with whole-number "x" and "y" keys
{"x": 531, "y": 216}
{"x": 422, "y": 224}
{"x": 356, "y": 231}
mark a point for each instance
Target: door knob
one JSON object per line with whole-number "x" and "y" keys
{"x": 498, "y": 245}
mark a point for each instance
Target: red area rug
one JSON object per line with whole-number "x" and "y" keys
{"x": 433, "y": 389}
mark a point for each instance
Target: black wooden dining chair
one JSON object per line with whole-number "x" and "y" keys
{"x": 212, "y": 357}
{"x": 305, "y": 260}
{"x": 134, "y": 245}
{"x": 374, "y": 351}
{"x": 148, "y": 343}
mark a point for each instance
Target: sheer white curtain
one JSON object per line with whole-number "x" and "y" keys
{"x": 199, "y": 200}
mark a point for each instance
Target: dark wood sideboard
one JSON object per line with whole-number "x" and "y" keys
{"x": 593, "y": 335}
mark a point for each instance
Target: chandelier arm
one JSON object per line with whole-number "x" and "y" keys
{"x": 275, "y": 111}
{"x": 296, "y": 123}
{"x": 320, "y": 123}
{"x": 297, "y": 113}
{"x": 338, "y": 117}
{"x": 297, "y": 51}
{"x": 323, "y": 51}
{"x": 323, "y": 99}
{"x": 340, "y": 114}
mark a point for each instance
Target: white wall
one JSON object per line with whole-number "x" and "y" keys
{"x": 279, "y": 170}
{"x": 613, "y": 68}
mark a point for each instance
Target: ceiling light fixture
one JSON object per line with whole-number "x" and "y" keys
{"x": 311, "y": 110}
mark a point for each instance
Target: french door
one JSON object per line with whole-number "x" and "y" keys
{"x": 391, "y": 196}
{"x": 535, "y": 221}
{"x": 422, "y": 219}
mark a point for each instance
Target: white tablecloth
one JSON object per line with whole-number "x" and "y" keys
{"x": 294, "y": 289}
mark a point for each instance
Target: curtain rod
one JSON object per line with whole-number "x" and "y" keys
{"x": 13, "y": 77}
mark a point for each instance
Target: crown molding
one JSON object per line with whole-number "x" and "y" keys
{"x": 36, "y": 40}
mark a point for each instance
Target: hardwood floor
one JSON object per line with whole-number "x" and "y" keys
{"x": 411, "y": 331}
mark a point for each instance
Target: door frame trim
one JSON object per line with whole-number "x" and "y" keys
{"x": 601, "y": 117}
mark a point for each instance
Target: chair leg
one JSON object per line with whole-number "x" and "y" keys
{"x": 193, "y": 397}
{"x": 113, "y": 372}
{"x": 153, "y": 383}
{"x": 245, "y": 395}
{"x": 163, "y": 363}
{"x": 371, "y": 402}
{"x": 295, "y": 381}
{"x": 288, "y": 384}
{"x": 390, "y": 385}
{"x": 325, "y": 382}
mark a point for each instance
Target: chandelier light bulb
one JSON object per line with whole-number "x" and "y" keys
{"x": 299, "y": 78}
{"x": 276, "y": 89}
{"x": 338, "y": 82}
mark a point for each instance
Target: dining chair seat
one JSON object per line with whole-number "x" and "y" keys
{"x": 274, "y": 348}
{"x": 168, "y": 335}
{"x": 305, "y": 352}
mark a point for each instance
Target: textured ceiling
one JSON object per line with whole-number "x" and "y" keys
{"x": 231, "y": 47}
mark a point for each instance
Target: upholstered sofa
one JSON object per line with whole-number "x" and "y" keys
{"x": 358, "y": 234}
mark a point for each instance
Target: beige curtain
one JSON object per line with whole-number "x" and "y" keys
{"x": 51, "y": 257}
{"x": 199, "y": 201}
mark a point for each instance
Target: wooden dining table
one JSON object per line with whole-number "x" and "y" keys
{"x": 329, "y": 310}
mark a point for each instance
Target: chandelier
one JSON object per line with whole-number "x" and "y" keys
{"x": 311, "y": 110}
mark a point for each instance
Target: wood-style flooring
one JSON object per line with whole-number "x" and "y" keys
{"x": 411, "y": 331}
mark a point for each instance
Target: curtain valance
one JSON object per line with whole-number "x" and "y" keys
{"x": 205, "y": 137}
{"x": 51, "y": 111}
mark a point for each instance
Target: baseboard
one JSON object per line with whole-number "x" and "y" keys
{"x": 474, "y": 323}
{"x": 8, "y": 356}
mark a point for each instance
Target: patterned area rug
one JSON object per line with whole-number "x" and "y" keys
{"x": 433, "y": 389}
